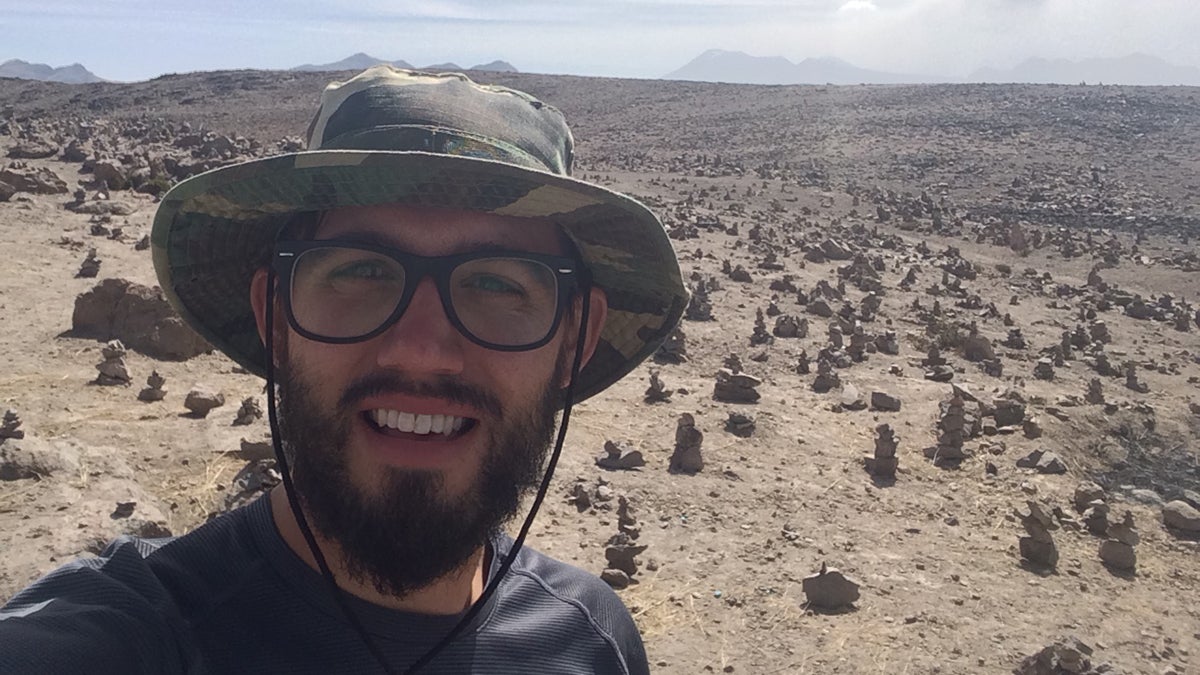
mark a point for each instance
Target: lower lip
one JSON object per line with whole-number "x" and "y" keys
{"x": 431, "y": 451}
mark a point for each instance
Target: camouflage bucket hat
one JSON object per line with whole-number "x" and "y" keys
{"x": 390, "y": 136}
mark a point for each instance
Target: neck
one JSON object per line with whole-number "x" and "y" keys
{"x": 450, "y": 594}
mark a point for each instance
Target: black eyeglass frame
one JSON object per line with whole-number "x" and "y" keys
{"x": 570, "y": 276}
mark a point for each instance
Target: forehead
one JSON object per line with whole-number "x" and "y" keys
{"x": 432, "y": 231}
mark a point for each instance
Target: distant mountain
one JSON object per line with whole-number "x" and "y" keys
{"x": 1135, "y": 69}
{"x": 716, "y": 65}
{"x": 72, "y": 74}
{"x": 361, "y": 61}
{"x": 496, "y": 67}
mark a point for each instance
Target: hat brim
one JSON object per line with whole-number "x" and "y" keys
{"x": 212, "y": 231}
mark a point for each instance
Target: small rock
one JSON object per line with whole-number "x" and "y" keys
{"x": 1145, "y": 496}
{"x": 202, "y": 399}
{"x": 1118, "y": 555}
{"x": 615, "y": 578}
{"x": 884, "y": 402}
{"x": 1085, "y": 493}
{"x": 830, "y": 589}
{"x": 1069, "y": 656}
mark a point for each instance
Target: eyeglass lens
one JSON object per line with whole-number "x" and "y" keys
{"x": 343, "y": 293}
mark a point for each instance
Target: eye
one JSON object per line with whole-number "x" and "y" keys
{"x": 491, "y": 283}
{"x": 363, "y": 269}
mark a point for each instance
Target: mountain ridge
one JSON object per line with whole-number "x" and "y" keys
{"x": 717, "y": 65}
{"x": 71, "y": 74}
{"x": 362, "y": 61}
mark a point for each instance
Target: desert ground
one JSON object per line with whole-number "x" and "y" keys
{"x": 1041, "y": 239}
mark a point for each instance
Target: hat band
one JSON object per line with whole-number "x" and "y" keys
{"x": 438, "y": 140}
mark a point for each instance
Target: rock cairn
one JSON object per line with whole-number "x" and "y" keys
{"x": 90, "y": 267}
{"x": 699, "y": 307}
{"x": 760, "y": 336}
{"x": 1038, "y": 548}
{"x": 1117, "y": 551}
{"x": 620, "y": 455}
{"x": 1069, "y": 656}
{"x": 686, "y": 457}
{"x": 1089, "y": 501}
{"x": 952, "y": 431}
{"x": 736, "y": 387}
{"x": 154, "y": 390}
{"x": 621, "y": 552}
{"x": 249, "y": 412}
{"x": 1131, "y": 379}
{"x": 1044, "y": 369}
{"x": 10, "y": 426}
{"x": 657, "y": 392}
{"x": 1095, "y": 392}
{"x": 827, "y": 379}
{"x": 740, "y": 425}
{"x": 113, "y": 370}
{"x": 673, "y": 349}
{"x": 884, "y": 462}
{"x": 937, "y": 369}
{"x": 788, "y": 326}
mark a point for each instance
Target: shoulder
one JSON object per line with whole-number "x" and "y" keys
{"x": 128, "y": 609}
{"x": 546, "y": 584}
{"x": 103, "y": 614}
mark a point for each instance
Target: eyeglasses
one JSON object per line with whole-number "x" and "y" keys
{"x": 341, "y": 292}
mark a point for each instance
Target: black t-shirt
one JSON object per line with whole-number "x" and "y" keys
{"x": 231, "y": 597}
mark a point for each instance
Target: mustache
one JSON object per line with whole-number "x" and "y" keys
{"x": 445, "y": 388}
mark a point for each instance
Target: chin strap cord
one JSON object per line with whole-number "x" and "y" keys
{"x": 519, "y": 541}
{"x": 290, "y": 489}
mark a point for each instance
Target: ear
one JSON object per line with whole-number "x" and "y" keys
{"x": 258, "y": 301}
{"x": 597, "y": 313}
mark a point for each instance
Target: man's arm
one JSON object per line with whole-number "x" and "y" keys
{"x": 106, "y": 615}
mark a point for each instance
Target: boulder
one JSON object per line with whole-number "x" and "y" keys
{"x": 978, "y": 348}
{"x": 139, "y": 316}
{"x": 35, "y": 149}
{"x": 1181, "y": 516}
{"x": 112, "y": 173}
{"x": 38, "y": 181}
{"x": 32, "y": 457}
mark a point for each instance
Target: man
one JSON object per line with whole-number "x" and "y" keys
{"x": 423, "y": 289}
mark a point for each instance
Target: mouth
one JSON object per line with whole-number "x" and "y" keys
{"x": 418, "y": 426}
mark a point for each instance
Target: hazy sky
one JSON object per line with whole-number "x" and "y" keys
{"x": 138, "y": 39}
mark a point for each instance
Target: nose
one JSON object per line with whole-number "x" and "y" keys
{"x": 423, "y": 341}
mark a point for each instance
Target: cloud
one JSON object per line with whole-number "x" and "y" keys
{"x": 858, "y": 6}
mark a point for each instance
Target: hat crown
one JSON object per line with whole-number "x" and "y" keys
{"x": 391, "y": 109}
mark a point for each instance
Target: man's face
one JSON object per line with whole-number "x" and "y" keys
{"x": 409, "y": 507}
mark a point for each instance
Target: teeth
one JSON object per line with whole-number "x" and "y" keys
{"x": 446, "y": 425}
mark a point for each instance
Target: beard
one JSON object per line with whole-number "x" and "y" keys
{"x": 404, "y": 532}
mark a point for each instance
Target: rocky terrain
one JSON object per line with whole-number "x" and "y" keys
{"x": 934, "y": 409}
